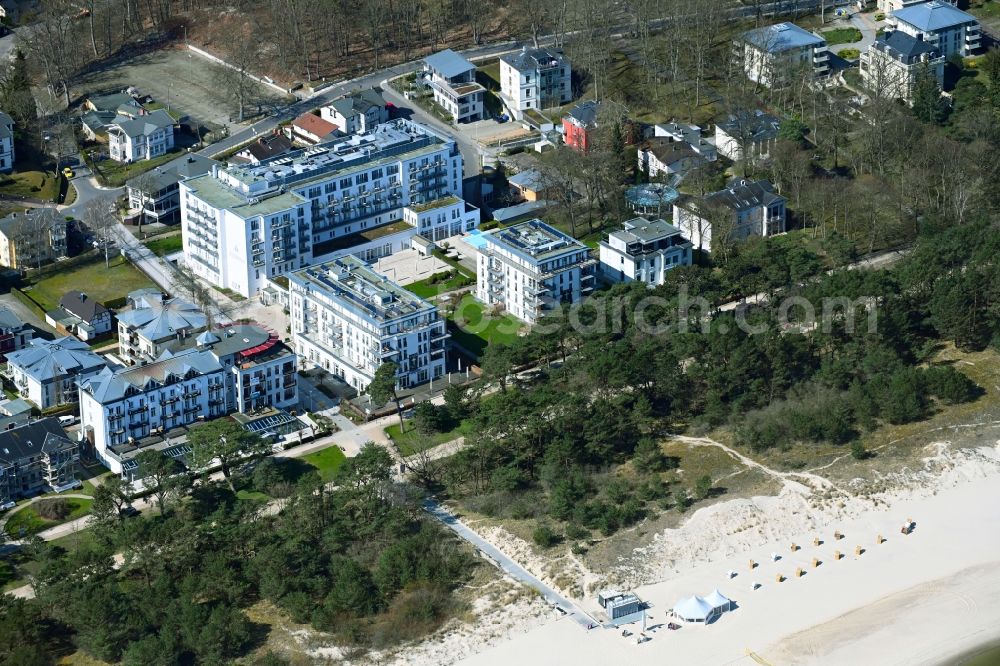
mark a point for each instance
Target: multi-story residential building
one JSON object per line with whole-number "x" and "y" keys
{"x": 239, "y": 368}
{"x": 531, "y": 267}
{"x": 309, "y": 129}
{"x": 36, "y": 458}
{"x": 644, "y": 251}
{"x": 6, "y": 143}
{"x": 46, "y": 371}
{"x": 452, "y": 79}
{"x": 141, "y": 138}
{"x": 579, "y": 123}
{"x": 80, "y": 315}
{"x": 349, "y": 320}
{"x": 444, "y": 217}
{"x": 534, "y": 79}
{"x": 32, "y": 238}
{"x": 772, "y": 53}
{"x": 156, "y": 324}
{"x": 745, "y": 208}
{"x": 752, "y": 132}
{"x": 664, "y": 155}
{"x": 14, "y": 333}
{"x": 945, "y": 27}
{"x": 155, "y": 194}
{"x": 245, "y": 224}
{"x": 894, "y": 63}
{"x": 357, "y": 112}
{"x": 887, "y": 6}
{"x": 689, "y": 134}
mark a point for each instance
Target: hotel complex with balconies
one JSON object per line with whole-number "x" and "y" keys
{"x": 245, "y": 224}
{"x": 531, "y": 267}
{"x": 349, "y": 320}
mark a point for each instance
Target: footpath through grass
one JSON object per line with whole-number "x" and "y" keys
{"x": 410, "y": 441}
{"x": 27, "y": 521}
{"x": 473, "y": 327}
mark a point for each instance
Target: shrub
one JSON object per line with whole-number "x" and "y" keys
{"x": 52, "y": 509}
{"x": 702, "y": 487}
{"x": 850, "y": 54}
{"x": 858, "y": 451}
{"x": 950, "y": 385}
{"x": 544, "y": 536}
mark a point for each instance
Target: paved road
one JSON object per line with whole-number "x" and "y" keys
{"x": 509, "y": 566}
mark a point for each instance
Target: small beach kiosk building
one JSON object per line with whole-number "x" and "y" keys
{"x": 617, "y": 604}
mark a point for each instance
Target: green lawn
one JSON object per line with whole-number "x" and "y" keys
{"x": 430, "y": 287}
{"x": 491, "y": 74}
{"x": 33, "y": 184}
{"x": 100, "y": 283}
{"x": 326, "y": 462}
{"x": 31, "y": 523}
{"x": 115, "y": 174}
{"x": 474, "y": 328}
{"x": 252, "y": 496}
{"x": 166, "y": 244}
{"x": 410, "y": 441}
{"x": 850, "y": 54}
{"x": 841, "y": 36}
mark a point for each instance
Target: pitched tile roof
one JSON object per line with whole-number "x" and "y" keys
{"x": 44, "y": 359}
{"x": 157, "y": 320}
{"x": 781, "y": 37}
{"x": 79, "y": 304}
{"x": 313, "y": 124}
{"x": 933, "y": 16}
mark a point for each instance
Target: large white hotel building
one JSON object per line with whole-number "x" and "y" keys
{"x": 349, "y": 320}
{"x": 244, "y": 224}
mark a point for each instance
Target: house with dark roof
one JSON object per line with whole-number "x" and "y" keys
{"x": 894, "y": 63}
{"x": 534, "y": 79}
{"x": 663, "y": 155}
{"x": 31, "y": 238}
{"x": 579, "y": 123}
{"x": 143, "y": 137}
{"x": 942, "y": 25}
{"x": 111, "y": 102}
{"x": 6, "y": 143}
{"x": 309, "y": 129}
{"x": 36, "y": 458}
{"x": 452, "y": 79}
{"x": 46, "y": 371}
{"x": 772, "y": 53}
{"x": 80, "y": 315}
{"x": 745, "y": 208}
{"x": 14, "y": 333}
{"x": 527, "y": 185}
{"x": 156, "y": 324}
{"x": 356, "y": 112}
{"x": 689, "y": 134}
{"x": 156, "y": 195}
{"x": 755, "y": 132}
{"x": 265, "y": 148}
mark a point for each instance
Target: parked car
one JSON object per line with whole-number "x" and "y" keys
{"x": 68, "y": 420}
{"x": 7, "y": 506}
{"x": 69, "y": 173}
{"x": 129, "y": 512}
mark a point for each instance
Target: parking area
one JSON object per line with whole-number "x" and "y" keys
{"x": 177, "y": 77}
{"x": 409, "y": 266}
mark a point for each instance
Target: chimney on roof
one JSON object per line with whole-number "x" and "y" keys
{"x": 920, "y": 36}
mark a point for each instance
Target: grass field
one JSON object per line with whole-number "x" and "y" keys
{"x": 428, "y": 289}
{"x": 32, "y": 184}
{"x": 326, "y": 462}
{"x": 410, "y": 441}
{"x": 116, "y": 174}
{"x": 100, "y": 283}
{"x": 474, "y": 328}
{"x": 166, "y": 244}
{"x": 841, "y": 36}
{"x": 27, "y": 521}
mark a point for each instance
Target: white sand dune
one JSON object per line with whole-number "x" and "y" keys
{"x": 915, "y": 599}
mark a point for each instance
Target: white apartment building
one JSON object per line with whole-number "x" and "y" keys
{"x": 46, "y": 371}
{"x": 156, "y": 324}
{"x": 141, "y": 138}
{"x": 441, "y": 218}
{"x": 32, "y": 238}
{"x": 945, "y": 27}
{"x": 238, "y": 368}
{"x": 245, "y": 224}
{"x": 534, "y": 79}
{"x": 745, "y": 208}
{"x": 6, "y": 143}
{"x": 531, "y": 267}
{"x": 452, "y": 79}
{"x": 357, "y": 112}
{"x": 349, "y": 320}
{"x": 893, "y": 64}
{"x": 772, "y": 52}
{"x": 644, "y": 251}
{"x": 887, "y": 6}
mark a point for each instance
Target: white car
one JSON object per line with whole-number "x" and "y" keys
{"x": 68, "y": 420}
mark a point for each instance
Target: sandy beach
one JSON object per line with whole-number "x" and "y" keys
{"x": 921, "y": 598}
